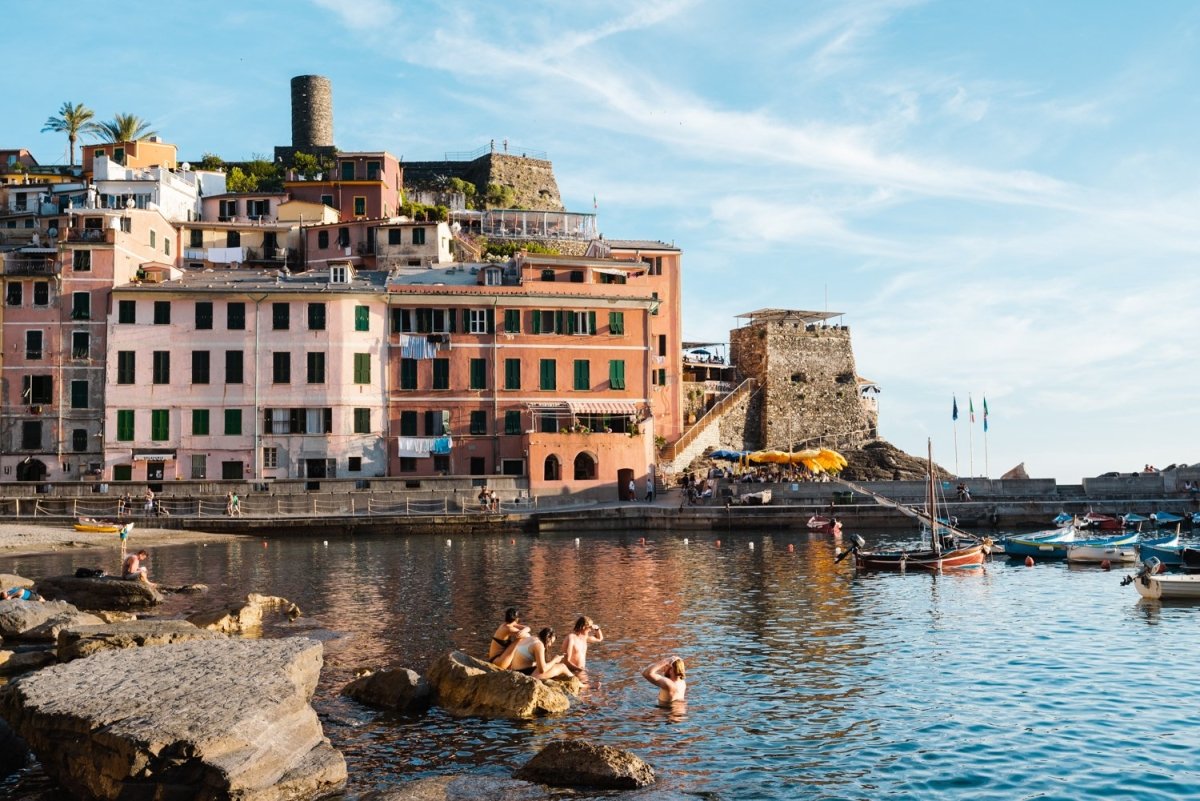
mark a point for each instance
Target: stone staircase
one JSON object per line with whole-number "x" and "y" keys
{"x": 705, "y": 433}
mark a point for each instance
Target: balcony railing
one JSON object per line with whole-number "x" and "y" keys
{"x": 30, "y": 265}
{"x": 95, "y": 235}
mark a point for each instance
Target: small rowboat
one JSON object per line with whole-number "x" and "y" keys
{"x": 97, "y": 526}
{"x": 1157, "y": 586}
{"x": 1120, "y": 551}
{"x": 1049, "y": 544}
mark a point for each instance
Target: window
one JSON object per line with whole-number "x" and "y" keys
{"x": 258, "y": 208}
{"x": 81, "y": 306}
{"x": 362, "y": 421}
{"x": 197, "y": 236}
{"x": 547, "y": 275}
{"x": 160, "y": 425}
{"x": 408, "y": 464}
{"x": 344, "y": 237}
{"x": 281, "y": 316}
{"x": 81, "y": 261}
{"x": 372, "y": 170}
{"x": 576, "y": 276}
{"x": 512, "y": 373}
{"x": 14, "y": 295}
{"x": 347, "y": 170}
{"x": 199, "y": 466}
{"x": 544, "y": 322}
{"x": 161, "y": 367}
{"x": 362, "y": 368}
{"x": 408, "y": 374}
{"x": 38, "y": 389}
{"x": 233, "y": 422}
{"x": 233, "y": 367}
{"x": 583, "y": 379}
{"x": 79, "y": 440}
{"x": 323, "y": 238}
{"x": 654, "y": 307}
{"x": 437, "y": 424}
{"x": 512, "y": 321}
{"x": 162, "y": 312}
{"x": 199, "y": 422}
{"x": 616, "y": 322}
{"x": 339, "y": 274}
{"x": 360, "y": 205}
{"x": 581, "y": 322}
{"x": 395, "y": 236}
{"x": 166, "y": 247}
{"x": 478, "y": 374}
{"x": 298, "y": 421}
{"x": 204, "y": 315}
{"x": 126, "y": 366}
{"x": 661, "y": 375}
{"x": 41, "y": 293}
{"x": 31, "y": 435}
{"x": 585, "y": 468}
{"x": 354, "y": 464}
{"x": 327, "y": 200}
{"x": 124, "y": 425}
{"x": 441, "y": 374}
{"x": 200, "y": 366}
{"x": 662, "y": 344}
{"x": 478, "y": 422}
{"x": 408, "y": 424}
{"x": 316, "y": 367}
{"x": 270, "y": 457}
{"x": 616, "y": 374}
{"x": 512, "y": 421}
{"x": 79, "y": 394}
{"x": 655, "y": 263}
{"x": 153, "y": 237}
{"x": 551, "y": 470}
{"x": 81, "y": 345}
{"x": 441, "y": 463}
{"x": 235, "y": 316}
{"x": 418, "y": 237}
{"x": 362, "y": 318}
{"x": 480, "y": 321}
{"x": 316, "y": 317}
{"x": 33, "y": 345}
{"x": 233, "y": 239}
{"x": 548, "y": 378}
{"x": 281, "y": 367}
{"x": 127, "y": 312}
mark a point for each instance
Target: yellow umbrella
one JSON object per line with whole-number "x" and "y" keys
{"x": 820, "y": 460}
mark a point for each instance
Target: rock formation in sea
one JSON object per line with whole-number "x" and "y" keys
{"x": 464, "y": 685}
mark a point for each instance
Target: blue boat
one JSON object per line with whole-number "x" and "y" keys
{"x": 1038, "y": 543}
{"x": 1169, "y": 553}
{"x": 1165, "y": 519}
{"x": 1019, "y": 547}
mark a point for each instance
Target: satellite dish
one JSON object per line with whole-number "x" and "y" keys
{"x": 186, "y": 166}
{"x": 129, "y": 204}
{"x": 52, "y": 232}
{"x": 456, "y": 227}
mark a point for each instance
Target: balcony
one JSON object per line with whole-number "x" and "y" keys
{"x": 35, "y": 264}
{"x": 96, "y": 236}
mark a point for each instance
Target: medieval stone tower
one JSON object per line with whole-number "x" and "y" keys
{"x": 808, "y": 388}
{"x": 312, "y": 113}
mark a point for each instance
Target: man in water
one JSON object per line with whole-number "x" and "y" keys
{"x": 669, "y": 675}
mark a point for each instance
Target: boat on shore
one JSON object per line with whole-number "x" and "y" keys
{"x": 1156, "y": 586}
{"x": 92, "y": 525}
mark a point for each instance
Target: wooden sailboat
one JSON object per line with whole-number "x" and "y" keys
{"x": 950, "y": 548}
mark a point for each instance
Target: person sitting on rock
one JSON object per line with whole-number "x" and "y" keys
{"x": 575, "y": 647}
{"x": 21, "y": 594}
{"x": 134, "y": 568}
{"x": 530, "y": 657}
{"x": 505, "y": 638}
{"x": 669, "y": 675}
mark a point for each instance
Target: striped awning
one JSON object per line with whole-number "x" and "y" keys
{"x": 621, "y": 407}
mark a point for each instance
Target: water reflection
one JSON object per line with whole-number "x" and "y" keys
{"x": 805, "y": 678}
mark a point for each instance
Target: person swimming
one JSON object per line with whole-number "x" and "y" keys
{"x": 576, "y": 645}
{"x": 505, "y": 638}
{"x": 669, "y": 675}
{"x": 529, "y": 657}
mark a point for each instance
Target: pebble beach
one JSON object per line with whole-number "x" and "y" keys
{"x": 22, "y": 539}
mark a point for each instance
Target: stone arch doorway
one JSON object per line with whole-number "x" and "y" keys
{"x": 585, "y": 467}
{"x": 624, "y": 476}
{"x": 31, "y": 470}
{"x": 551, "y": 469}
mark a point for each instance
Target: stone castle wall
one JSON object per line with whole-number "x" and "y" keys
{"x": 808, "y": 384}
{"x": 531, "y": 179}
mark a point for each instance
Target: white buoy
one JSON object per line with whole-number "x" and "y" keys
{"x": 752, "y": 546}
{"x": 325, "y": 543}
{"x": 447, "y": 543}
{"x": 685, "y": 540}
{"x": 577, "y": 542}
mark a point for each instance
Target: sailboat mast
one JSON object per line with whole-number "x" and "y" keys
{"x": 933, "y": 518}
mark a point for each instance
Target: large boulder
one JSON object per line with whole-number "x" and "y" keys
{"x": 14, "y": 662}
{"x": 577, "y": 763}
{"x": 80, "y": 641}
{"x": 10, "y": 580}
{"x": 464, "y": 685}
{"x": 48, "y": 630}
{"x": 215, "y": 720}
{"x": 400, "y": 689}
{"x": 245, "y": 616}
{"x": 106, "y": 592}
{"x": 18, "y": 618}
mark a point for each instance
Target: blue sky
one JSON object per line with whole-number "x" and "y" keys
{"x": 1003, "y": 198}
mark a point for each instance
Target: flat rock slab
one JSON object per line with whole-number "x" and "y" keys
{"x": 80, "y": 641}
{"x": 464, "y": 685}
{"x": 243, "y": 617}
{"x": 10, "y": 580}
{"x": 106, "y": 592}
{"x": 577, "y": 763}
{"x": 18, "y": 618}
{"x": 400, "y": 689}
{"x": 216, "y": 719}
{"x": 14, "y": 662}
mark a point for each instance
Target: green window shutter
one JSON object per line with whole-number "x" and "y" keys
{"x": 160, "y": 425}
{"x": 512, "y": 373}
{"x": 560, "y": 323}
{"x": 478, "y": 373}
{"x": 512, "y": 422}
{"x": 591, "y": 322}
{"x": 451, "y": 317}
{"x": 125, "y": 425}
{"x": 233, "y": 422}
{"x": 408, "y": 374}
{"x": 616, "y": 322}
{"x": 616, "y": 374}
{"x": 441, "y": 374}
{"x": 537, "y": 321}
{"x": 362, "y": 318}
{"x": 79, "y": 394}
{"x": 200, "y": 422}
{"x": 362, "y": 421}
{"x": 582, "y": 375}
{"x": 548, "y": 378}
{"x": 491, "y": 321}
{"x": 512, "y": 321}
{"x": 362, "y": 368}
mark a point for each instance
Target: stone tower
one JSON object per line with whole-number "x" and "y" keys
{"x": 808, "y": 384}
{"x": 312, "y": 113}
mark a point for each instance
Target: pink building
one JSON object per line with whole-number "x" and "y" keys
{"x": 362, "y": 185}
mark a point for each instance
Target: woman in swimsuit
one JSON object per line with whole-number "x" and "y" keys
{"x": 505, "y": 639}
{"x": 530, "y": 657}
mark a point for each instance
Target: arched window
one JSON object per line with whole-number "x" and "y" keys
{"x": 553, "y": 471}
{"x": 585, "y": 467}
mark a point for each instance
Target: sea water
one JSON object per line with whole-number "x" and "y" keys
{"x": 806, "y": 680}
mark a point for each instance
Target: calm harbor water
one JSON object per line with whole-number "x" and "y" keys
{"x": 806, "y": 680}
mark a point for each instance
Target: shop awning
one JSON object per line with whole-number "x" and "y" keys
{"x": 619, "y": 407}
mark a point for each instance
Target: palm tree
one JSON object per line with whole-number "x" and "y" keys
{"x": 125, "y": 128}
{"x": 74, "y": 119}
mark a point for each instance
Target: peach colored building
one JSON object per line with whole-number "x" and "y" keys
{"x": 383, "y": 244}
{"x": 362, "y": 185}
{"x": 142, "y": 153}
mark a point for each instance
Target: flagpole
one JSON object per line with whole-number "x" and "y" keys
{"x": 986, "y": 467}
{"x": 971, "y": 432}
{"x": 954, "y": 419}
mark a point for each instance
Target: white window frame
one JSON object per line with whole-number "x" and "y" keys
{"x": 270, "y": 457}
{"x": 477, "y": 321}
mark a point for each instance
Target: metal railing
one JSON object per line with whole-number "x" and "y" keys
{"x": 670, "y": 452}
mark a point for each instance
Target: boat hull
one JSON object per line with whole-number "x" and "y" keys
{"x": 1096, "y": 554}
{"x": 965, "y": 558}
{"x": 1168, "y": 587}
{"x": 97, "y": 528}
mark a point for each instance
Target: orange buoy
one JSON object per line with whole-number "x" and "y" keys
{"x": 512, "y": 542}
{"x": 718, "y": 543}
{"x": 1028, "y": 561}
{"x": 791, "y": 547}
{"x": 264, "y": 543}
{"x": 1105, "y": 565}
